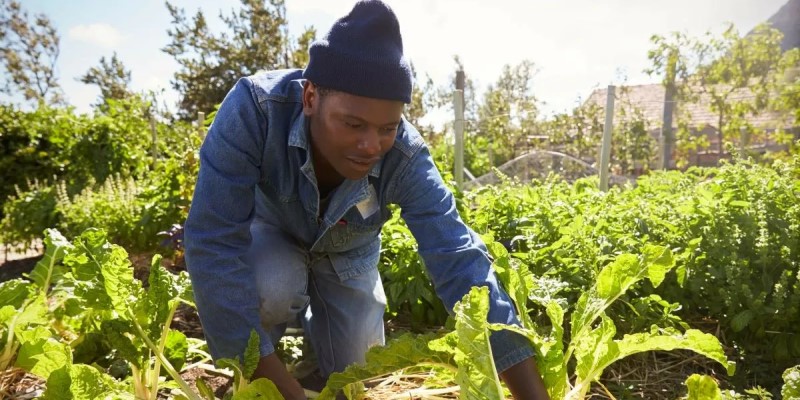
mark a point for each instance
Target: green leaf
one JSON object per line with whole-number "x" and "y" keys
{"x": 517, "y": 281}
{"x": 47, "y": 270}
{"x": 549, "y": 351}
{"x": 118, "y": 334}
{"x": 239, "y": 381}
{"x": 205, "y": 390}
{"x": 445, "y": 344}
{"x": 82, "y": 382}
{"x": 477, "y": 375}
{"x": 615, "y": 279}
{"x": 176, "y": 348}
{"x": 33, "y": 312}
{"x": 405, "y": 351}
{"x": 252, "y": 354}
{"x": 58, "y": 385}
{"x": 595, "y": 351}
{"x": 742, "y": 319}
{"x": 7, "y": 313}
{"x": 14, "y": 292}
{"x": 702, "y": 387}
{"x": 103, "y": 273}
{"x": 791, "y": 383}
{"x": 261, "y": 388}
{"x": 40, "y": 354}
{"x": 658, "y": 261}
{"x": 670, "y": 339}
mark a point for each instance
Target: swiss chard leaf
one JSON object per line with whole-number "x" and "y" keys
{"x": 517, "y": 280}
{"x": 702, "y": 387}
{"x": 103, "y": 273}
{"x": 477, "y": 375}
{"x": 615, "y": 279}
{"x": 40, "y": 354}
{"x": 670, "y": 339}
{"x": 14, "y": 292}
{"x": 791, "y": 383}
{"x": 82, "y": 382}
{"x": 405, "y": 351}
{"x": 48, "y": 270}
{"x": 176, "y": 348}
{"x": 261, "y": 388}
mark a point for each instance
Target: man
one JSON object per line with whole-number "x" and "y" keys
{"x": 295, "y": 178}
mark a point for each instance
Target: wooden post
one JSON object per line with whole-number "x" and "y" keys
{"x": 201, "y": 121}
{"x": 458, "y": 129}
{"x": 666, "y": 139}
{"x": 154, "y": 132}
{"x": 605, "y": 150}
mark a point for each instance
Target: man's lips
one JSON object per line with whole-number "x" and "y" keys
{"x": 364, "y": 161}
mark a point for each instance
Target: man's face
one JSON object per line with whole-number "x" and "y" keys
{"x": 349, "y": 133}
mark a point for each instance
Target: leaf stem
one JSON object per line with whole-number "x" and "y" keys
{"x": 167, "y": 366}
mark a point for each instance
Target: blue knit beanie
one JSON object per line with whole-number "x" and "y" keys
{"x": 362, "y": 54}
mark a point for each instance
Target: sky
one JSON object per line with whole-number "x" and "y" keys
{"x": 576, "y": 45}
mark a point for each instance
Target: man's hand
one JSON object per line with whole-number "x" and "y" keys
{"x": 525, "y": 382}
{"x": 272, "y": 368}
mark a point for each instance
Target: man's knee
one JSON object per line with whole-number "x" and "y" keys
{"x": 281, "y": 303}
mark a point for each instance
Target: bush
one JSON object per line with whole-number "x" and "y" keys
{"x": 28, "y": 213}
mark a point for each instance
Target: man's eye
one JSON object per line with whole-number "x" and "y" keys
{"x": 388, "y": 130}
{"x": 352, "y": 125}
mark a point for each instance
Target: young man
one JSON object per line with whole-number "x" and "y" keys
{"x": 295, "y": 178}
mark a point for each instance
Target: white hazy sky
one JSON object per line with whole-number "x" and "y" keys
{"x": 577, "y": 45}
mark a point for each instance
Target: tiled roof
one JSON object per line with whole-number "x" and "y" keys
{"x": 650, "y": 99}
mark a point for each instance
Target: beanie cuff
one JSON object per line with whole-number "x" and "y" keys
{"x": 368, "y": 77}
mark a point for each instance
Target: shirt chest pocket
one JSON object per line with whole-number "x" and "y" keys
{"x": 353, "y": 232}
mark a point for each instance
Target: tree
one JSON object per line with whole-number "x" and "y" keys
{"x": 788, "y": 99}
{"x": 507, "y": 115}
{"x": 299, "y": 54}
{"x": 577, "y": 133}
{"x": 631, "y": 143}
{"x": 421, "y": 103}
{"x": 29, "y": 49}
{"x": 736, "y": 76}
{"x": 211, "y": 64}
{"x": 740, "y": 77}
{"x": 111, "y": 77}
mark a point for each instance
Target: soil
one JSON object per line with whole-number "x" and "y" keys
{"x": 16, "y": 268}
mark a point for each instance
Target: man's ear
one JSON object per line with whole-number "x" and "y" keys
{"x": 310, "y": 98}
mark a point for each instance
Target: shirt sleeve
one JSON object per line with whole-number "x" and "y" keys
{"x": 454, "y": 255}
{"x": 217, "y": 230}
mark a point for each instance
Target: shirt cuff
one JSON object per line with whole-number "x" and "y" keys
{"x": 509, "y": 348}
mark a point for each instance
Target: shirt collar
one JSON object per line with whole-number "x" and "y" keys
{"x": 298, "y": 137}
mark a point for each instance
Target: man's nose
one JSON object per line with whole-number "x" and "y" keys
{"x": 370, "y": 143}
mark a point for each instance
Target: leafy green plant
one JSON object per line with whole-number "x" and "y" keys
{"x": 25, "y": 340}
{"x": 733, "y": 231}
{"x": 702, "y": 387}
{"x": 243, "y": 388}
{"x": 791, "y": 383}
{"x": 27, "y": 213}
{"x": 591, "y": 346}
{"x": 134, "y": 320}
{"x": 409, "y": 290}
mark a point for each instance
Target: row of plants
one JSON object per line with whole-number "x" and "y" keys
{"x": 81, "y": 321}
{"x": 734, "y": 231}
{"x": 117, "y": 170}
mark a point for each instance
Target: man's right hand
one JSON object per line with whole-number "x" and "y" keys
{"x": 272, "y": 368}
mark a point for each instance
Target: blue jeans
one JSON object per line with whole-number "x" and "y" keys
{"x": 342, "y": 318}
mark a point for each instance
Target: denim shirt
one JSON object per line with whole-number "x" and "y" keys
{"x": 256, "y": 163}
